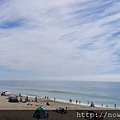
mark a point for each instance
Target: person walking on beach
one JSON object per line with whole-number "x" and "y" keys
{"x": 92, "y": 104}
{"x": 115, "y": 105}
{"x": 102, "y": 105}
{"x": 88, "y": 103}
{"x": 70, "y": 100}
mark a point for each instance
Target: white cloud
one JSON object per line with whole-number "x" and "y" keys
{"x": 59, "y": 38}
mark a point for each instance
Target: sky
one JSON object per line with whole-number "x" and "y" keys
{"x": 60, "y": 39}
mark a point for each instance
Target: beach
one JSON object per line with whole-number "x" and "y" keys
{"x": 25, "y": 110}
{"x": 53, "y": 104}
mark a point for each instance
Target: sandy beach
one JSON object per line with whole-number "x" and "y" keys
{"x": 23, "y": 111}
{"x": 5, "y": 105}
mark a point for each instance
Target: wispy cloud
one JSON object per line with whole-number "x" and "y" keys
{"x": 59, "y": 38}
{"x": 11, "y": 24}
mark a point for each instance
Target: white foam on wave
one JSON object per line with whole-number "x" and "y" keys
{"x": 84, "y": 104}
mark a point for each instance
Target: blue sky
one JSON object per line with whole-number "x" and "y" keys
{"x": 60, "y": 39}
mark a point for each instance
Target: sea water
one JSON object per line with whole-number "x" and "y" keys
{"x": 106, "y": 93}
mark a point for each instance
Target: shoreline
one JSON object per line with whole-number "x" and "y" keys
{"x": 106, "y": 95}
{"x": 5, "y": 105}
{"x": 73, "y": 103}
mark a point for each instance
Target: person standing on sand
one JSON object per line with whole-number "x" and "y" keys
{"x": 69, "y": 100}
{"x": 88, "y": 103}
{"x": 20, "y": 98}
{"x": 115, "y": 105}
{"x": 102, "y": 105}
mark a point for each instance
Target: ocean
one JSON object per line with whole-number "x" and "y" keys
{"x": 106, "y": 93}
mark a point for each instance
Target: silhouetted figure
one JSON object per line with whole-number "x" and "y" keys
{"x": 92, "y": 104}
{"x": 62, "y": 110}
{"x": 115, "y": 105}
{"x": 47, "y": 103}
{"x": 70, "y": 100}
{"x": 76, "y": 101}
{"x": 26, "y": 99}
{"x": 47, "y": 115}
{"x": 35, "y": 99}
{"x": 88, "y": 103}
{"x": 19, "y": 94}
{"x": 102, "y": 105}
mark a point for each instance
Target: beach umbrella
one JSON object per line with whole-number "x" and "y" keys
{"x": 39, "y": 113}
